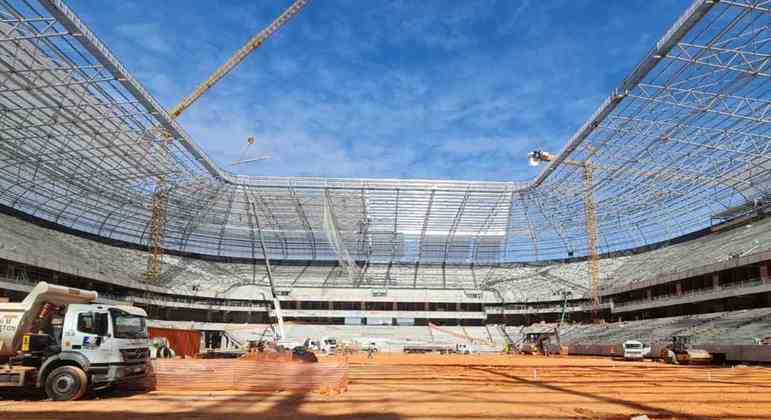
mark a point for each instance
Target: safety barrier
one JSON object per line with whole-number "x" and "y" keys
{"x": 248, "y": 375}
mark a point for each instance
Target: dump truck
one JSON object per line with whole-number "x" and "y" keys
{"x": 59, "y": 339}
{"x": 680, "y": 352}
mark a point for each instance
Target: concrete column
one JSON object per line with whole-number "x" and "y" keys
{"x": 426, "y": 306}
{"x": 764, "y": 273}
{"x": 649, "y": 294}
{"x": 457, "y": 306}
{"x": 678, "y": 288}
{"x": 715, "y": 280}
{"x": 394, "y": 307}
{"x": 208, "y": 316}
{"x": 329, "y": 306}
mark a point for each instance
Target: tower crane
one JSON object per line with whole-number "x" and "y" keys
{"x": 588, "y": 167}
{"x": 160, "y": 199}
{"x": 539, "y": 156}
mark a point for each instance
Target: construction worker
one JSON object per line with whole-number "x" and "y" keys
{"x": 543, "y": 345}
{"x": 370, "y": 352}
{"x": 671, "y": 356}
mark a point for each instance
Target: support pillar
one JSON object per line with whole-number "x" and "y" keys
{"x": 679, "y": 288}
{"x": 715, "y": 281}
{"x": 649, "y": 294}
{"x": 764, "y": 273}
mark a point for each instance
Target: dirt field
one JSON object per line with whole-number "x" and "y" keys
{"x": 396, "y": 386}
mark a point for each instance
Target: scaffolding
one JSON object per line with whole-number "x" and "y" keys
{"x": 685, "y": 136}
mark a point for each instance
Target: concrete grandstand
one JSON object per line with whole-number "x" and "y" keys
{"x": 681, "y": 189}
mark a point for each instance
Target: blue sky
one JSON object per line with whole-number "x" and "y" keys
{"x": 405, "y": 89}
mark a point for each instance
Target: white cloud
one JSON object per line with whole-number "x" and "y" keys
{"x": 147, "y": 35}
{"x": 397, "y": 89}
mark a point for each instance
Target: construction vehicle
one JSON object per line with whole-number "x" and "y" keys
{"x": 635, "y": 350}
{"x": 536, "y": 342}
{"x": 679, "y": 352}
{"x": 325, "y": 345}
{"x": 160, "y": 348}
{"x": 59, "y": 339}
{"x": 437, "y": 348}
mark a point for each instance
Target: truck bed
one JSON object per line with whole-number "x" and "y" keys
{"x": 427, "y": 348}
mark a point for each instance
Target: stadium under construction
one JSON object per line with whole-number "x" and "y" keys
{"x": 651, "y": 224}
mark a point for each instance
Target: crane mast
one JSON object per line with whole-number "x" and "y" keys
{"x": 590, "y": 213}
{"x": 591, "y": 236}
{"x": 160, "y": 199}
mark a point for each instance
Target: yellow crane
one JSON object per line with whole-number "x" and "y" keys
{"x": 591, "y": 220}
{"x": 160, "y": 200}
{"x": 588, "y": 168}
{"x": 253, "y": 43}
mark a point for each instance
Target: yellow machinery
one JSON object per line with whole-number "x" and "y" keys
{"x": 535, "y": 342}
{"x": 681, "y": 353}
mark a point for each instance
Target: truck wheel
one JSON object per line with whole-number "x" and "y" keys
{"x": 66, "y": 383}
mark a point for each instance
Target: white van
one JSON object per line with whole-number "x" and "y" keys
{"x": 635, "y": 350}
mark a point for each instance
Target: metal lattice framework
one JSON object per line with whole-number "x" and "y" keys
{"x": 687, "y": 135}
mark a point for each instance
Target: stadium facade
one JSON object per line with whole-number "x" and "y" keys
{"x": 681, "y": 158}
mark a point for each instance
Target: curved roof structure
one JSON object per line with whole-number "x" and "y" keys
{"x": 687, "y": 135}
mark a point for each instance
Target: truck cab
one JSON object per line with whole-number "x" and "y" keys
{"x": 113, "y": 339}
{"x": 635, "y": 350}
{"x": 325, "y": 345}
{"x": 328, "y": 345}
{"x": 59, "y": 339}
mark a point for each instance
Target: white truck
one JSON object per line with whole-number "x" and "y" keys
{"x": 437, "y": 348}
{"x": 324, "y": 345}
{"x": 58, "y": 338}
{"x": 635, "y": 350}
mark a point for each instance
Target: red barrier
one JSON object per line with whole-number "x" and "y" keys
{"x": 183, "y": 342}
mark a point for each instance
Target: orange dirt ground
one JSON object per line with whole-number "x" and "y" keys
{"x": 398, "y": 386}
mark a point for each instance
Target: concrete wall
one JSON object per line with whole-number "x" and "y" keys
{"x": 733, "y": 353}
